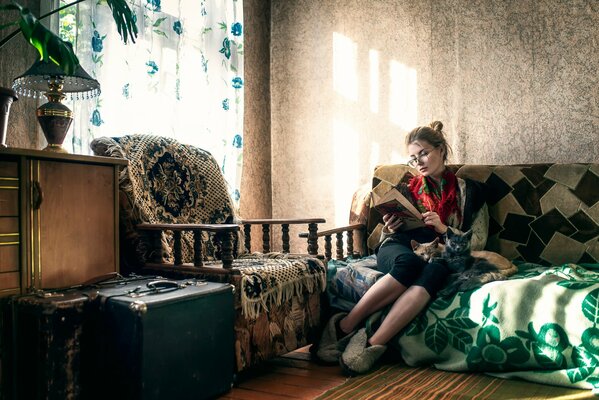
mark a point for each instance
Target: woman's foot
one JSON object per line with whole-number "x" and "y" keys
{"x": 333, "y": 340}
{"x": 359, "y": 357}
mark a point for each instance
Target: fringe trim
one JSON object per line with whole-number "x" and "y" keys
{"x": 251, "y": 307}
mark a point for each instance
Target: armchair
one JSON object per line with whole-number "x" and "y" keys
{"x": 178, "y": 220}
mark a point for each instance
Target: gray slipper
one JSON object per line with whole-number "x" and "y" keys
{"x": 357, "y": 358}
{"x": 329, "y": 347}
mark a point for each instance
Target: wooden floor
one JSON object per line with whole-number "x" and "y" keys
{"x": 292, "y": 376}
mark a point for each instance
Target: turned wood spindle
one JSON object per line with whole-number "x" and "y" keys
{"x": 327, "y": 247}
{"x": 350, "y": 243}
{"x": 155, "y": 238}
{"x": 313, "y": 239}
{"x": 285, "y": 237}
{"x": 339, "y": 245}
{"x": 197, "y": 248}
{"x": 177, "y": 248}
{"x": 266, "y": 238}
{"x": 247, "y": 231}
{"x": 227, "y": 248}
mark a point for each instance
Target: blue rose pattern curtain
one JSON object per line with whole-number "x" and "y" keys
{"x": 183, "y": 78}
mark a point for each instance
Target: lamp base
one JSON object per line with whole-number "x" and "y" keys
{"x": 57, "y": 148}
{"x": 55, "y": 119}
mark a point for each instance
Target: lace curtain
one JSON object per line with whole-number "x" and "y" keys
{"x": 183, "y": 78}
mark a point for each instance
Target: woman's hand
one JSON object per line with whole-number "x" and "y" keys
{"x": 431, "y": 218}
{"x": 392, "y": 222}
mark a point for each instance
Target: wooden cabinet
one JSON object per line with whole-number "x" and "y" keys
{"x": 58, "y": 219}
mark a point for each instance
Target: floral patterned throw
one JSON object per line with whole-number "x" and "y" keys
{"x": 540, "y": 325}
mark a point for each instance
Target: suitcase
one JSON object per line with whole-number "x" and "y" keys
{"x": 160, "y": 339}
{"x": 41, "y": 352}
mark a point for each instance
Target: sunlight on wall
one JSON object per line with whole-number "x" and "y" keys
{"x": 345, "y": 140}
{"x": 347, "y": 158}
{"x": 375, "y": 156}
{"x": 403, "y": 95}
{"x": 345, "y": 66}
{"x": 373, "y": 57}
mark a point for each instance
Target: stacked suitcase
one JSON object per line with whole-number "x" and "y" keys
{"x": 139, "y": 338}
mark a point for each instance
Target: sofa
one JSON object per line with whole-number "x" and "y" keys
{"x": 539, "y": 324}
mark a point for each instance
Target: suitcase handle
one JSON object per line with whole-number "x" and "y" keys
{"x": 163, "y": 285}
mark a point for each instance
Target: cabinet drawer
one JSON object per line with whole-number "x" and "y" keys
{"x": 9, "y": 244}
{"x": 9, "y": 202}
{"x": 9, "y": 169}
{"x": 9, "y": 280}
{"x": 9, "y": 188}
{"x": 9, "y": 258}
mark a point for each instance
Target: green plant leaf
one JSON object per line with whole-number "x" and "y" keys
{"x": 590, "y": 306}
{"x": 435, "y": 337}
{"x": 579, "y": 374}
{"x": 548, "y": 357}
{"x": 441, "y": 303}
{"x": 575, "y": 285}
{"x": 583, "y": 358}
{"x": 459, "y": 318}
{"x": 158, "y": 21}
{"x": 124, "y": 19}
{"x": 417, "y": 325}
{"x": 49, "y": 45}
{"x": 460, "y": 339}
{"x": 160, "y": 33}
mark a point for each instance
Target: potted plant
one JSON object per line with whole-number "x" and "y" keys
{"x": 50, "y": 46}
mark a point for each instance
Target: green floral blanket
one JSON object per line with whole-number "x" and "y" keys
{"x": 540, "y": 325}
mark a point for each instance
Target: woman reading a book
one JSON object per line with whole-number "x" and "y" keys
{"x": 409, "y": 283}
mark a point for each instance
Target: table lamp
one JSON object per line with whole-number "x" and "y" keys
{"x": 47, "y": 78}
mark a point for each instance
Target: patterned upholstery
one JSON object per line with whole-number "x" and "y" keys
{"x": 539, "y": 213}
{"x": 277, "y": 297}
{"x": 167, "y": 182}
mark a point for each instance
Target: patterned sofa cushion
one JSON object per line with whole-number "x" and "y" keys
{"x": 540, "y": 213}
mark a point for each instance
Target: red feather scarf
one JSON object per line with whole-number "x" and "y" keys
{"x": 441, "y": 197}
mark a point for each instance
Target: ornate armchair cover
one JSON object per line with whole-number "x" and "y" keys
{"x": 167, "y": 182}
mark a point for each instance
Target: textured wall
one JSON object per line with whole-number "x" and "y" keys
{"x": 513, "y": 81}
{"x": 15, "y": 58}
{"x": 256, "y": 185}
{"x": 256, "y": 178}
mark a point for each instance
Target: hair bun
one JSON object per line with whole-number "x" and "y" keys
{"x": 437, "y": 125}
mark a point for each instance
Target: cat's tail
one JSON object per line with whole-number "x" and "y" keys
{"x": 511, "y": 270}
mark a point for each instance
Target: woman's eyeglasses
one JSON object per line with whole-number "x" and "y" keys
{"x": 422, "y": 157}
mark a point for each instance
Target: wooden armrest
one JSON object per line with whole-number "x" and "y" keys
{"x": 227, "y": 242}
{"x": 273, "y": 221}
{"x": 189, "y": 227}
{"x": 330, "y": 232}
{"x": 284, "y": 223}
{"x": 338, "y": 232}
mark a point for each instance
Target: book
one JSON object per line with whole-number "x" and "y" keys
{"x": 395, "y": 202}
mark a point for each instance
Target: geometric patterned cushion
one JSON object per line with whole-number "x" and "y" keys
{"x": 540, "y": 213}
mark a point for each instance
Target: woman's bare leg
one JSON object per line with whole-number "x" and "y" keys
{"x": 403, "y": 311}
{"x": 385, "y": 291}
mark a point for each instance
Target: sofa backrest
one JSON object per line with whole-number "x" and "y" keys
{"x": 541, "y": 213}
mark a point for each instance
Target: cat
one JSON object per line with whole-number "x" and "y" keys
{"x": 471, "y": 269}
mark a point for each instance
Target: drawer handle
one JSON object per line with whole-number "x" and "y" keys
{"x": 37, "y": 195}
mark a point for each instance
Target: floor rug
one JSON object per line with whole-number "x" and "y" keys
{"x": 398, "y": 381}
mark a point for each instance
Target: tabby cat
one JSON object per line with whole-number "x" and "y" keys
{"x": 471, "y": 269}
